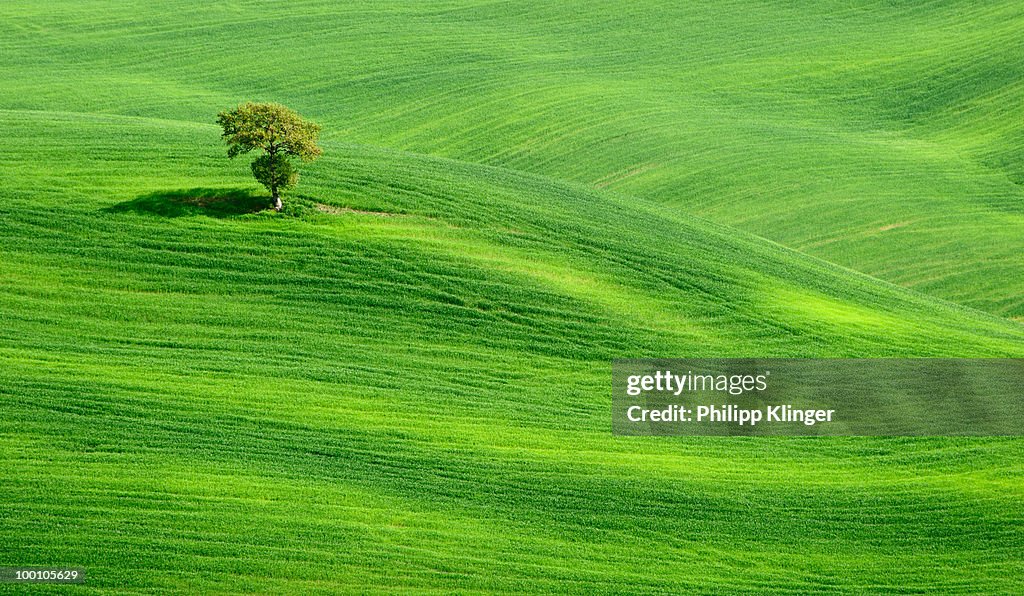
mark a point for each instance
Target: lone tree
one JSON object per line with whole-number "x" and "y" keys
{"x": 280, "y": 133}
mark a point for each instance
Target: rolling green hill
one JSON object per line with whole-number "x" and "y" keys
{"x": 403, "y": 381}
{"x": 882, "y": 136}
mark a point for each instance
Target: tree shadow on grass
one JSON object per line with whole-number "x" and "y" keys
{"x": 212, "y": 202}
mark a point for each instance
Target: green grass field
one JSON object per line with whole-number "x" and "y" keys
{"x": 403, "y": 382}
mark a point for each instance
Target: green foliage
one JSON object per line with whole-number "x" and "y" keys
{"x": 274, "y": 172}
{"x": 276, "y": 130}
{"x": 270, "y": 127}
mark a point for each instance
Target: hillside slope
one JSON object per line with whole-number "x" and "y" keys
{"x": 406, "y": 385}
{"x": 882, "y": 136}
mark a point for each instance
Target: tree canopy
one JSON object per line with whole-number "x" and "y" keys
{"x": 277, "y": 131}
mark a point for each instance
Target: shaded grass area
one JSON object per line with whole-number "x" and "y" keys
{"x": 214, "y": 202}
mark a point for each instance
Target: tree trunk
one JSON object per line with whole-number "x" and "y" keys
{"x": 273, "y": 177}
